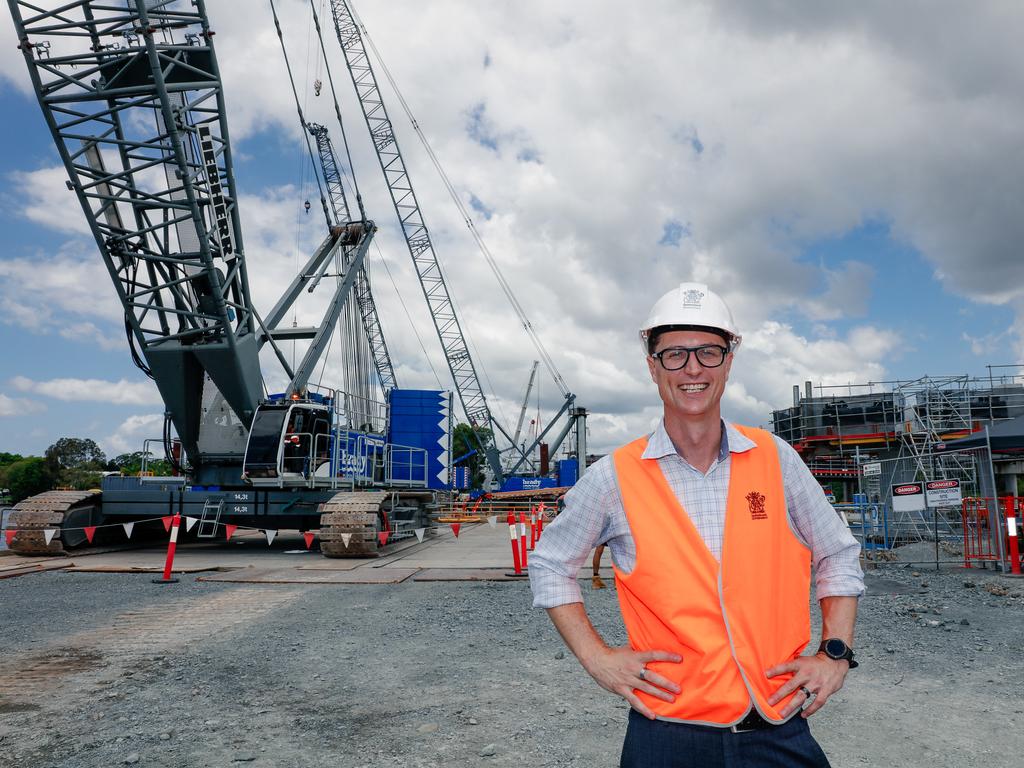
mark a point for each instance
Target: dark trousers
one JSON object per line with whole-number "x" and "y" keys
{"x": 661, "y": 744}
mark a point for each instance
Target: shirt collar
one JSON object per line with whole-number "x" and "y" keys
{"x": 660, "y": 445}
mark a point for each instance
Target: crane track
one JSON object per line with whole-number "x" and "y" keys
{"x": 53, "y": 510}
{"x": 359, "y": 515}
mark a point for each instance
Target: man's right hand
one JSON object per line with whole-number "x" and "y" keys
{"x": 619, "y": 670}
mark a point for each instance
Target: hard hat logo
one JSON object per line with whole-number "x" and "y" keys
{"x": 691, "y": 305}
{"x": 692, "y": 297}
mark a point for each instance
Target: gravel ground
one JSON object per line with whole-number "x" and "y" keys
{"x": 107, "y": 670}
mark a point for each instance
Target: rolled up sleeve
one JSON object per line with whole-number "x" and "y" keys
{"x": 835, "y": 552}
{"x": 568, "y": 541}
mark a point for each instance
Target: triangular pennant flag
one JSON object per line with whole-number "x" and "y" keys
{"x": 228, "y": 530}
{"x": 382, "y": 537}
{"x": 9, "y": 535}
{"x": 189, "y": 522}
{"x": 167, "y": 522}
{"x": 492, "y": 521}
{"x": 419, "y": 534}
{"x": 128, "y": 528}
{"x": 345, "y": 539}
{"x": 271, "y": 533}
{"x": 309, "y": 538}
{"x": 90, "y": 531}
{"x": 455, "y": 529}
{"x": 48, "y": 534}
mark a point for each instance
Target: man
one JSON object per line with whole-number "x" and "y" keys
{"x": 713, "y": 529}
{"x": 596, "y": 581}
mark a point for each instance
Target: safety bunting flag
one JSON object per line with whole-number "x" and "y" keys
{"x": 229, "y": 530}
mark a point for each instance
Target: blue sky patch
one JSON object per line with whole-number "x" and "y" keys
{"x": 477, "y": 205}
{"x": 479, "y": 128}
{"x": 673, "y": 232}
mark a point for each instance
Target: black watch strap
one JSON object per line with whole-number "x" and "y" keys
{"x": 837, "y": 649}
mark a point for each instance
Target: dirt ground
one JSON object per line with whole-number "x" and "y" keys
{"x": 110, "y": 669}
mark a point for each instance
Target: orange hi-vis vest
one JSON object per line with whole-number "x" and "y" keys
{"x": 730, "y": 621}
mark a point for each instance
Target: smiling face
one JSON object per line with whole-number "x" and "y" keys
{"x": 693, "y": 392}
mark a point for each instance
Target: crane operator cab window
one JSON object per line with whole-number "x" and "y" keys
{"x": 288, "y": 441}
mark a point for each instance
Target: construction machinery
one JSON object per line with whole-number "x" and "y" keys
{"x": 132, "y": 94}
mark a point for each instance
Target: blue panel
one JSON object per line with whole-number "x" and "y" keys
{"x": 417, "y": 409}
{"x": 527, "y": 483}
{"x": 568, "y": 472}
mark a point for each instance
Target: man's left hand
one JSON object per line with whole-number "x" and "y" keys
{"x": 819, "y": 675}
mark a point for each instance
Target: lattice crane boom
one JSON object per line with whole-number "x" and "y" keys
{"x": 414, "y": 229}
{"x": 133, "y": 97}
{"x": 362, "y": 291}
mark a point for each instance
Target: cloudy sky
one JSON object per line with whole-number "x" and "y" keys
{"x": 847, "y": 175}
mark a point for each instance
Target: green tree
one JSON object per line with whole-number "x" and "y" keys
{"x": 75, "y": 453}
{"x": 27, "y": 477}
{"x": 131, "y": 464}
{"x": 466, "y": 439}
{"x": 9, "y": 458}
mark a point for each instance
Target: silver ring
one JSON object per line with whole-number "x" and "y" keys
{"x": 643, "y": 671}
{"x": 807, "y": 691}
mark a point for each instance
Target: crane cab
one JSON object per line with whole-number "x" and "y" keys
{"x": 289, "y": 443}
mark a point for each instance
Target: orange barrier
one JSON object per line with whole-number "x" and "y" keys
{"x": 512, "y": 533}
{"x": 171, "y": 546}
{"x": 522, "y": 538}
{"x": 981, "y": 544}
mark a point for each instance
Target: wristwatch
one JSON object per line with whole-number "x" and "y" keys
{"x": 837, "y": 649}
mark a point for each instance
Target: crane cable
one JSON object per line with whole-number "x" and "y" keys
{"x": 302, "y": 118}
{"x": 337, "y": 111}
{"x": 484, "y": 250}
{"x": 408, "y": 317}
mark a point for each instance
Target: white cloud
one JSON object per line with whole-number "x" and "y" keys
{"x": 120, "y": 392}
{"x": 18, "y": 406}
{"x": 763, "y": 127}
{"x": 44, "y": 198}
{"x": 846, "y": 294}
{"x": 12, "y": 62}
{"x": 131, "y": 433}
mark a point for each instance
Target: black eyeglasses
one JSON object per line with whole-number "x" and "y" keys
{"x": 708, "y": 355}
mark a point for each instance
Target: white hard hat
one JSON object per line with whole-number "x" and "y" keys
{"x": 691, "y": 304}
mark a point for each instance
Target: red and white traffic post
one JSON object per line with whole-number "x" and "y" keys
{"x": 171, "y": 546}
{"x": 1011, "y": 535}
{"x": 514, "y": 536}
{"x": 522, "y": 538}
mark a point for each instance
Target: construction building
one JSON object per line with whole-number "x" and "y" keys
{"x": 864, "y": 438}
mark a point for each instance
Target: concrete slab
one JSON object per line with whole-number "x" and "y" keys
{"x": 465, "y": 574}
{"x": 137, "y": 569}
{"x": 295, "y": 576}
{"x": 336, "y": 564}
{"x": 16, "y": 563}
{"x": 10, "y": 573}
{"x": 478, "y": 545}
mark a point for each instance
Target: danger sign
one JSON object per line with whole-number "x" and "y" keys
{"x": 943, "y": 493}
{"x": 908, "y": 497}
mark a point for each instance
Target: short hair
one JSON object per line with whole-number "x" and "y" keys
{"x": 655, "y": 333}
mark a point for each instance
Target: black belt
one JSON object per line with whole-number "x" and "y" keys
{"x": 752, "y": 722}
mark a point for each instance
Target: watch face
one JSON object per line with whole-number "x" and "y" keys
{"x": 835, "y": 648}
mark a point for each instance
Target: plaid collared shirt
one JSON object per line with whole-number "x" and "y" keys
{"x": 593, "y": 515}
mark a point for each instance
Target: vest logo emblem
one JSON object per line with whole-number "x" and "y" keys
{"x": 755, "y": 501}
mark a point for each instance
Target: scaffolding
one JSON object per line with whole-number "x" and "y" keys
{"x": 901, "y": 428}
